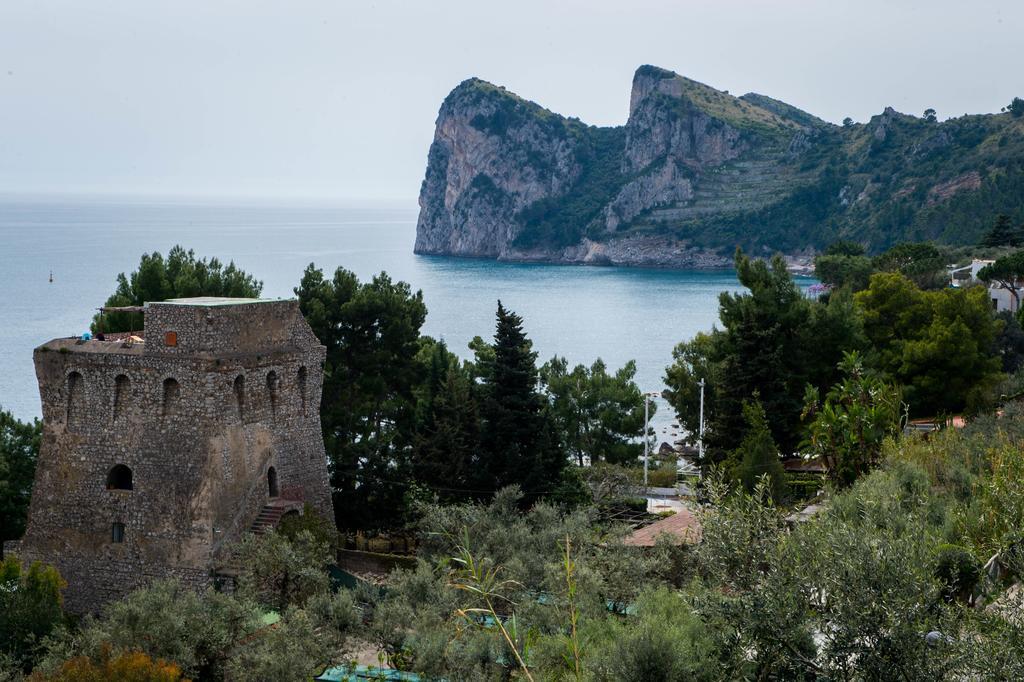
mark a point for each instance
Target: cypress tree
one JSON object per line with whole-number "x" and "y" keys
{"x": 1002, "y": 233}
{"x": 758, "y": 455}
{"x": 517, "y": 437}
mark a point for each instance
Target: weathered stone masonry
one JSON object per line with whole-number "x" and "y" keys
{"x": 158, "y": 456}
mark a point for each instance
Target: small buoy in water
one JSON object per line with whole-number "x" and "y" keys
{"x": 51, "y": 276}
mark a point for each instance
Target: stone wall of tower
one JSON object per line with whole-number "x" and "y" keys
{"x": 198, "y": 423}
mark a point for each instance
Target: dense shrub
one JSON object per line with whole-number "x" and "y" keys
{"x": 664, "y": 641}
{"x": 127, "y": 667}
{"x": 958, "y": 569}
{"x": 30, "y": 607}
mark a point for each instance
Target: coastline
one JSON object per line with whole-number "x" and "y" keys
{"x": 653, "y": 252}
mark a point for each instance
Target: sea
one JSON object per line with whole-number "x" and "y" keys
{"x": 580, "y": 313}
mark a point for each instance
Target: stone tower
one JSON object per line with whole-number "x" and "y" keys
{"x": 158, "y": 455}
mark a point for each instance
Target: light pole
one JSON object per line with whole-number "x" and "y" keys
{"x": 647, "y": 439}
{"x": 700, "y": 432}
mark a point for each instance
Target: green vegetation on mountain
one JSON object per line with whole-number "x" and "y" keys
{"x": 919, "y": 181}
{"x": 1003, "y": 233}
{"x": 561, "y": 221}
{"x": 752, "y": 171}
{"x": 786, "y": 111}
{"x": 739, "y": 112}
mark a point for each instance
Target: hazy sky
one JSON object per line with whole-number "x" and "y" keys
{"x": 337, "y": 99}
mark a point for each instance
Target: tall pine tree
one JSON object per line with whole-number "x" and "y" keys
{"x": 447, "y": 450}
{"x": 517, "y": 436}
{"x": 19, "y": 447}
{"x": 1003, "y": 233}
{"x": 371, "y": 374}
{"x": 774, "y": 341}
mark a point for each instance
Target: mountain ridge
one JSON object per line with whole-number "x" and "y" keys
{"x": 695, "y": 172}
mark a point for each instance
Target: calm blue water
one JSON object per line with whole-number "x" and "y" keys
{"x": 580, "y": 312}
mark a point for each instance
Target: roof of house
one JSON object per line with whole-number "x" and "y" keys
{"x": 800, "y": 465}
{"x": 933, "y": 424}
{"x": 214, "y": 301}
{"x": 681, "y": 527}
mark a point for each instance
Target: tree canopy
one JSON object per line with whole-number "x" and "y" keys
{"x": 599, "y": 414}
{"x": 19, "y": 448}
{"x": 371, "y": 375}
{"x": 844, "y": 270}
{"x": 774, "y": 341}
{"x": 30, "y": 607}
{"x": 447, "y": 452}
{"x": 922, "y": 262}
{"x": 757, "y": 455}
{"x": 1003, "y": 233}
{"x": 939, "y": 345}
{"x": 849, "y": 428}
{"x": 1007, "y": 272}
{"x": 518, "y": 438}
{"x": 1016, "y": 107}
{"x": 181, "y": 275}
{"x": 845, "y": 264}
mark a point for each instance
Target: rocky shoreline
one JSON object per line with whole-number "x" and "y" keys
{"x": 647, "y": 251}
{"x": 638, "y": 251}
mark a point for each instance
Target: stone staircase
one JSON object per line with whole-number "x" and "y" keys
{"x": 271, "y": 515}
{"x": 267, "y": 520}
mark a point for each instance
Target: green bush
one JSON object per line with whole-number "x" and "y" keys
{"x": 958, "y": 570}
{"x": 323, "y": 531}
{"x": 637, "y": 504}
{"x": 802, "y": 487}
{"x": 666, "y": 643}
{"x": 30, "y": 607}
{"x": 662, "y": 477}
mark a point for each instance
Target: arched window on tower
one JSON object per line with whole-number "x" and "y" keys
{"x": 272, "y": 490}
{"x": 272, "y": 391}
{"x": 172, "y": 394}
{"x": 122, "y": 394}
{"x": 240, "y": 395}
{"x": 76, "y": 400}
{"x": 302, "y": 389}
{"x": 120, "y": 478}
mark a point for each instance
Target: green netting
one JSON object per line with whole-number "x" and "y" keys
{"x": 360, "y": 673}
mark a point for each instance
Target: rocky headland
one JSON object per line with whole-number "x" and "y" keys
{"x": 696, "y": 172}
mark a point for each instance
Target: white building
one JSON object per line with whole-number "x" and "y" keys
{"x": 1000, "y": 297}
{"x": 966, "y": 275}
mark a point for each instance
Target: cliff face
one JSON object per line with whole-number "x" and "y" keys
{"x": 493, "y": 155}
{"x": 695, "y": 172}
